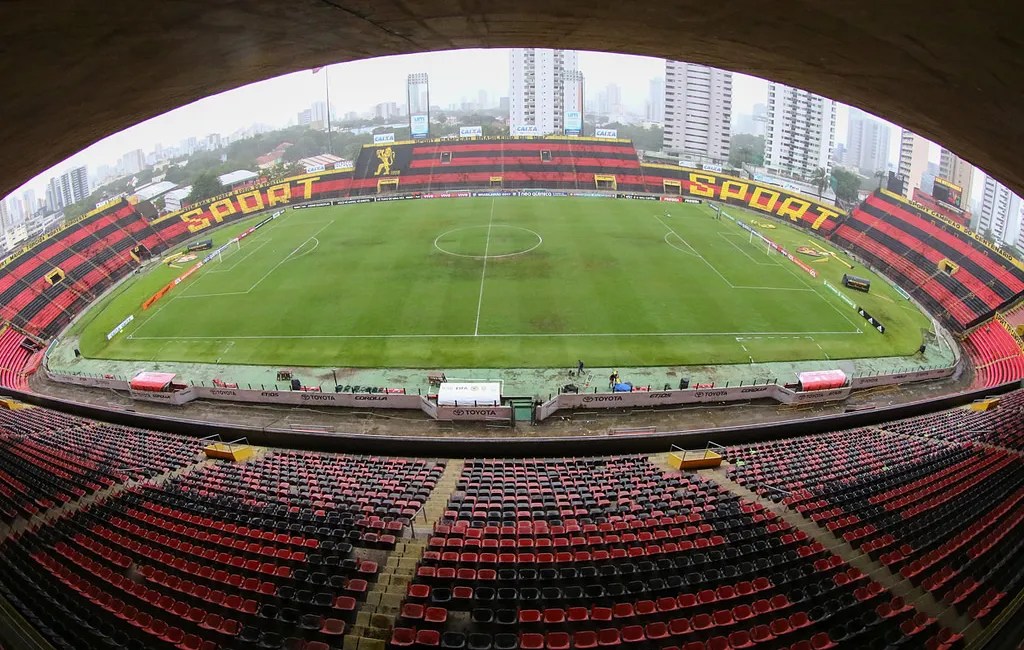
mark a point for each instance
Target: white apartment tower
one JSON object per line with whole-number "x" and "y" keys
{"x": 74, "y": 186}
{"x": 544, "y": 84}
{"x": 867, "y": 142}
{"x": 698, "y": 111}
{"x": 1000, "y": 215}
{"x": 958, "y": 171}
{"x": 656, "y": 100}
{"x": 800, "y": 131}
{"x": 913, "y": 161}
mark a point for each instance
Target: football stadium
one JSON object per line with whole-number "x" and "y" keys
{"x": 516, "y": 392}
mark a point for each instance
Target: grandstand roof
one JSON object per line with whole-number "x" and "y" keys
{"x": 179, "y": 194}
{"x": 237, "y": 176}
{"x": 327, "y": 160}
{"x": 153, "y": 190}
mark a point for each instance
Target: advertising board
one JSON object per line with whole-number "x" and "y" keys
{"x": 606, "y": 133}
{"x": 573, "y": 122}
{"x": 525, "y": 130}
{"x": 471, "y": 131}
{"x": 120, "y": 326}
{"x": 383, "y": 138}
{"x": 419, "y": 126}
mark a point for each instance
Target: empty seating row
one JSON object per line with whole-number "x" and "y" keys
{"x": 995, "y": 354}
{"x": 1002, "y": 426}
{"x": 13, "y": 358}
{"x": 361, "y": 500}
{"x": 994, "y": 269}
{"x": 555, "y": 163}
{"x": 545, "y": 553}
{"x": 931, "y": 259}
{"x": 42, "y": 289}
{"x": 43, "y": 470}
{"x": 895, "y": 496}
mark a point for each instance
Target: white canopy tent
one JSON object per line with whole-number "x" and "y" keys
{"x": 478, "y": 393}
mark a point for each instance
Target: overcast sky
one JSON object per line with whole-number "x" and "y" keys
{"x": 357, "y": 86}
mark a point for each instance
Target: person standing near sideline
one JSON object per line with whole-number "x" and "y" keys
{"x": 613, "y": 379}
{"x": 579, "y": 368}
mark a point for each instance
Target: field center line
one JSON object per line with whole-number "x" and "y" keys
{"x": 699, "y": 256}
{"x": 483, "y": 273}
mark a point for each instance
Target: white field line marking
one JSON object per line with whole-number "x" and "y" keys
{"x": 316, "y": 244}
{"x": 227, "y": 269}
{"x": 820, "y": 348}
{"x": 789, "y": 267}
{"x": 728, "y": 238}
{"x": 483, "y": 273}
{"x": 540, "y": 240}
{"x": 227, "y": 347}
{"x": 699, "y": 256}
{"x": 266, "y": 275}
{"x": 266, "y": 239}
{"x": 684, "y": 252}
{"x": 467, "y": 336}
{"x": 139, "y": 326}
{"x": 731, "y": 286}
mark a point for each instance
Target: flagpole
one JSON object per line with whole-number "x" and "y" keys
{"x": 327, "y": 90}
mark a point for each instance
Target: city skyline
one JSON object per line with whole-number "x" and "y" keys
{"x": 361, "y": 86}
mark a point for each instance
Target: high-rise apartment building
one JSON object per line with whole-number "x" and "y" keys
{"x": 698, "y": 110}
{"x": 913, "y": 162}
{"x": 800, "y": 131}
{"x": 1000, "y": 215}
{"x": 867, "y": 143}
{"x": 318, "y": 116}
{"x": 656, "y": 100}
{"x": 418, "y": 95}
{"x": 386, "y": 110}
{"x": 958, "y": 171}
{"x": 28, "y": 198}
{"x": 544, "y": 85}
{"x": 132, "y": 162}
{"x": 74, "y": 185}
{"x": 54, "y": 202}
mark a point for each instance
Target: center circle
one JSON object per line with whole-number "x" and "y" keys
{"x": 488, "y": 242}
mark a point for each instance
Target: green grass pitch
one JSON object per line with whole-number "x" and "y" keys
{"x": 502, "y": 282}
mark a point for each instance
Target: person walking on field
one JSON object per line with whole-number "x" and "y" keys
{"x": 579, "y": 368}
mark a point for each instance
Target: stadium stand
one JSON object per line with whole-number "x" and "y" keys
{"x": 46, "y": 283}
{"x": 1003, "y": 427}
{"x": 799, "y": 209}
{"x": 138, "y": 542}
{"x": 14, "y": 358}
{"x": 953, "y": 275}
{"x": 995, "y": 353}
{"x": 26, "y": 420}
{"x": 895, "y": 496}
{"x": 284, "y": 551}
{"x": 364, "y": 501}
{"x": 615, "y": 552}
{"x": 552, "y": 163}
{"x": 1014, "y": 317}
